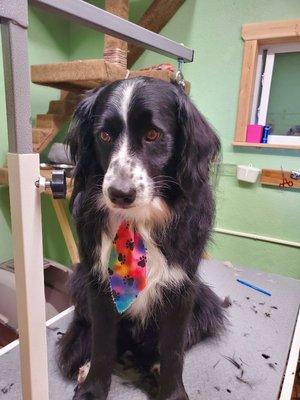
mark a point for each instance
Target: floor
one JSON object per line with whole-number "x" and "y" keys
{"x": 256, "y": 340}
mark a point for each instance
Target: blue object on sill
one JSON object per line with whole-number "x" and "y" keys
{"x": 266, "y": 132}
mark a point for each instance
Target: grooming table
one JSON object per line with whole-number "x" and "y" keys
{"x": 249, "y": 362}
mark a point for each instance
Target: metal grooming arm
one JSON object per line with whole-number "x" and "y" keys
{"x": 93, "y": 17}
{"x": 24, "y": 171}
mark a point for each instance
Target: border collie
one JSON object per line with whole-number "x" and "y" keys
{"x": 143, "y": 154}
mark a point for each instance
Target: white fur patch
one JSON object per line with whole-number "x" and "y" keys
{"x": 159, "y": 275}
{"x": 102, "y": 255}
{"x": 83, "y": 372}
{"x": 127, "y": 91}
{"x": 126, "y": 166}
{"x": 155, "y": 369}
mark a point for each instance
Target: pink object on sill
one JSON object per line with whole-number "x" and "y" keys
{"x": 254, "y": 133}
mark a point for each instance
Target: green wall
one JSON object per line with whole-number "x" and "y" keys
{"x": 212, "y": 28}
{"x": 48, "y": 42}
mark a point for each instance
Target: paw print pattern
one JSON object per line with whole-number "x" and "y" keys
{"x": 116, "y": 295}
{"x": 142, "y": 261}
{"x": 122, "y": 258}
{"x": 130, "y": 244}
{"x": 128, "y": 280}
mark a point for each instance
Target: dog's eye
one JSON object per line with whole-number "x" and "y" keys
{"x": 152, "y": 135}
{"x": 105, "y": 137}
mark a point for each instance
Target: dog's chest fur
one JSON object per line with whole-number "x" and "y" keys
{"x": 159, "y": 273}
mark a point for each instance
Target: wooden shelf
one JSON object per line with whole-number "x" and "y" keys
{"x": 267, "y": 145}
{"x": 273, "y": 177}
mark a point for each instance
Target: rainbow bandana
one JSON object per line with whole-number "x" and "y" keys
{"x": 127, "y": 267}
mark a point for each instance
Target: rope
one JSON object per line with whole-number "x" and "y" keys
{"x": 116, "y": 56}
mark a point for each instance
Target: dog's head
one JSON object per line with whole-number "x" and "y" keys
{"x": 140, "y": 142}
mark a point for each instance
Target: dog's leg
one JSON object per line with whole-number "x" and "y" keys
{"x": 104, "y": 330}
{"x": 173, "y": 326}
{"x": 74, "y": 346}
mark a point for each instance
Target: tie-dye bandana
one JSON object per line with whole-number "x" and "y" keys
{"x": 127, "y": 267}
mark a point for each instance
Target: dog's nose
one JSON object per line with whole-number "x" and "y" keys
{"x": 122, "y": 196}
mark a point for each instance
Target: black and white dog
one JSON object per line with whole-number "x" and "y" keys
{"x": 143, "y": 155}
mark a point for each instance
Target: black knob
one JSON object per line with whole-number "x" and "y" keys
{"x": 59, "y": 184}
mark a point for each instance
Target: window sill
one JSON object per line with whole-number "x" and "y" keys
{"x": 267, "y": 145}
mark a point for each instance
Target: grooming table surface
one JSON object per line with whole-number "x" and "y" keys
{"x": 259, "y": 325}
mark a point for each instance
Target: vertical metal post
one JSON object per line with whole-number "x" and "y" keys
{"x": 23, "y": 167}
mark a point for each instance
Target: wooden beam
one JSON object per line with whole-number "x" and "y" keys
{"x": 155, "y": 18}
{"x": 279, "y": 30}
{"x": 115, "y": 50}
{"x": 246, "y": 89}
{"x": 25, "y": 205}
{"x": 66, "y": 229}
{"x": 3, "y": 176}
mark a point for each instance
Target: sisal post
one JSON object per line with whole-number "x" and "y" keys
{"x": 115, "y": 50}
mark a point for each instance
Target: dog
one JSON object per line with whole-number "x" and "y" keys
{"x": 143, "y": 154}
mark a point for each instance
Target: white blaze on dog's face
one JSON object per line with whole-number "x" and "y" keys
{"x": 135, "y": 133}
{"x": 126, "y": 183}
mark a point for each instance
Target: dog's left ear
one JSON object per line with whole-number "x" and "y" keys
{"x": 79, "y": 136}
{"x": 80, "y": 141}
{"x": 200, "y": 145}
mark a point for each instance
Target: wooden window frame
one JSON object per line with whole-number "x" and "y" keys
{"x": 254, "y": 36}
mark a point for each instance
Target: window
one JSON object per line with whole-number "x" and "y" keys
{"x": 276, "y": 99}
{"x": 270, "y": 83}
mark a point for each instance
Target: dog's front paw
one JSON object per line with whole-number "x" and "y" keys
{"x": 93, "y": 393}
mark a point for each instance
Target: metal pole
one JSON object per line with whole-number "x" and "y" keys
{"x": 103, "y": 21}
{"x": 23, "y": 167}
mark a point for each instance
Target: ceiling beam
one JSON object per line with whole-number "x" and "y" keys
{"x": 155, "y": 18}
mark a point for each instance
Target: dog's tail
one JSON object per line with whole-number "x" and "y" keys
{"x": 208, "y": 318}
{"x": 74, "y": 346}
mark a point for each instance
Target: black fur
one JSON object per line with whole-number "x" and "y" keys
{"x": 189, "y": 312}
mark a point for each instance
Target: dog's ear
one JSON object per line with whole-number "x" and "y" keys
{"x": 200, "y": 145}
{"x": 80, "y": 140}
{"x": 79, "y": 136}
